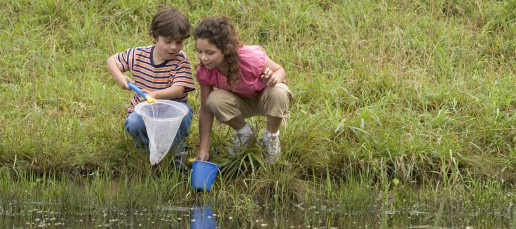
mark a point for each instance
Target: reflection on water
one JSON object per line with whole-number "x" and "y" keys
{"x": 205, "y": 216}
{"x": 202, "y": 218}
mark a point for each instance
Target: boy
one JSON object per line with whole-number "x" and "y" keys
{"x": 161, "y": 70}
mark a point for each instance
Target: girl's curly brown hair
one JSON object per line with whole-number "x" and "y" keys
{"x": 220, "y": 32}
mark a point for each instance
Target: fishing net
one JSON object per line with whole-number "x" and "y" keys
{"x": 162, "y": 120}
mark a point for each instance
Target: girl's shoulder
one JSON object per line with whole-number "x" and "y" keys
{"x": 201, "y": 70}
{"x": 249, "y": 51}
{"x": 204, "y": 75}
{"x": 252, "y": 59}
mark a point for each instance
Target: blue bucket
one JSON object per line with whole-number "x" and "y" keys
{"x": 203, "y": 174}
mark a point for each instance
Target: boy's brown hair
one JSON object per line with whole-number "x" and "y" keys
{"x": 169, "y": 22}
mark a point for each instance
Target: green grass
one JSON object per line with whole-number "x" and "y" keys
{"x": 421, "y": 91}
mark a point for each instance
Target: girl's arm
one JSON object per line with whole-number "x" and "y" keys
{"x": 273, "y": 73}
{"x": 205, "y": 124}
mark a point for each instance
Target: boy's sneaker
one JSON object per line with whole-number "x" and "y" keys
{"x": 241, "y": 140}
{"x": 271, "y": 142}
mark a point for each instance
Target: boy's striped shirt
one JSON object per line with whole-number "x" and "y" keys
{"x": 150, "y": 76}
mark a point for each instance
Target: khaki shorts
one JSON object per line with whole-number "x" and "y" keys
{"x": 273, "y": 101}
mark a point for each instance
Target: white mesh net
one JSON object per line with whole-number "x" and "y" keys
{"x": 162, "y": 120}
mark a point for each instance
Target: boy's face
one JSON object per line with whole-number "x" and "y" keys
{"x": 166, "y": 47}
{"x": 210, "y": 56}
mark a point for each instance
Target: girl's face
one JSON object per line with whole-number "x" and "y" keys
{"x": 209, "y": 55}
{"x": 166, "y": 47}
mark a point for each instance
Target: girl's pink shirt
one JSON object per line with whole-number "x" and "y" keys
{"x": 252, "y": 59}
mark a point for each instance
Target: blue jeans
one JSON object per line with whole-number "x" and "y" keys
{"x": 135, "y": 126}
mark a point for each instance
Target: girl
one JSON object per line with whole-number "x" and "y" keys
{"x": 248, "y": 83}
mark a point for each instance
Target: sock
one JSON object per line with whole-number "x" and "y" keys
{"x": 245, "y": 129}
{"x": 269, "y": 134}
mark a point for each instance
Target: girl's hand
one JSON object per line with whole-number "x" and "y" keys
{"x": 269, "y": 77}
{"x": 203, "y": 156}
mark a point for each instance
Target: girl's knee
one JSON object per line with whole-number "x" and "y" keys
{"x": 279, "y": 92}
{"x": 211, "y": 102}
{"x": 218, "y": 98}
{"x": 275, "y": 100}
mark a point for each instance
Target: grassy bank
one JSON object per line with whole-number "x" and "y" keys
{"x": 419, "y": 91}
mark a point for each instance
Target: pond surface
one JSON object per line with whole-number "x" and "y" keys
{"x": 206, "y": 216}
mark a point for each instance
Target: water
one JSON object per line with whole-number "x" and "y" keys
{"x": 207, "y": 216}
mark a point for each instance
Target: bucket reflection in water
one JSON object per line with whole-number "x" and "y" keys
{"x": 202, "y": 218}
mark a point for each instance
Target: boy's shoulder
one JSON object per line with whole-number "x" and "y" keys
{"x": 143, "y": 49}
{"x": 182, "y": 56}
{"x": 139, "y": 51}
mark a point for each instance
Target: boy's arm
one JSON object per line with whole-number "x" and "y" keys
{"x": 116, "y": 73}
{"x": 171, "y": 92}
{"x": 181, "y": 84}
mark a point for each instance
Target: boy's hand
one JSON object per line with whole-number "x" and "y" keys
{"x": 123, "y": 82}
{"x": 150, "y": 93}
